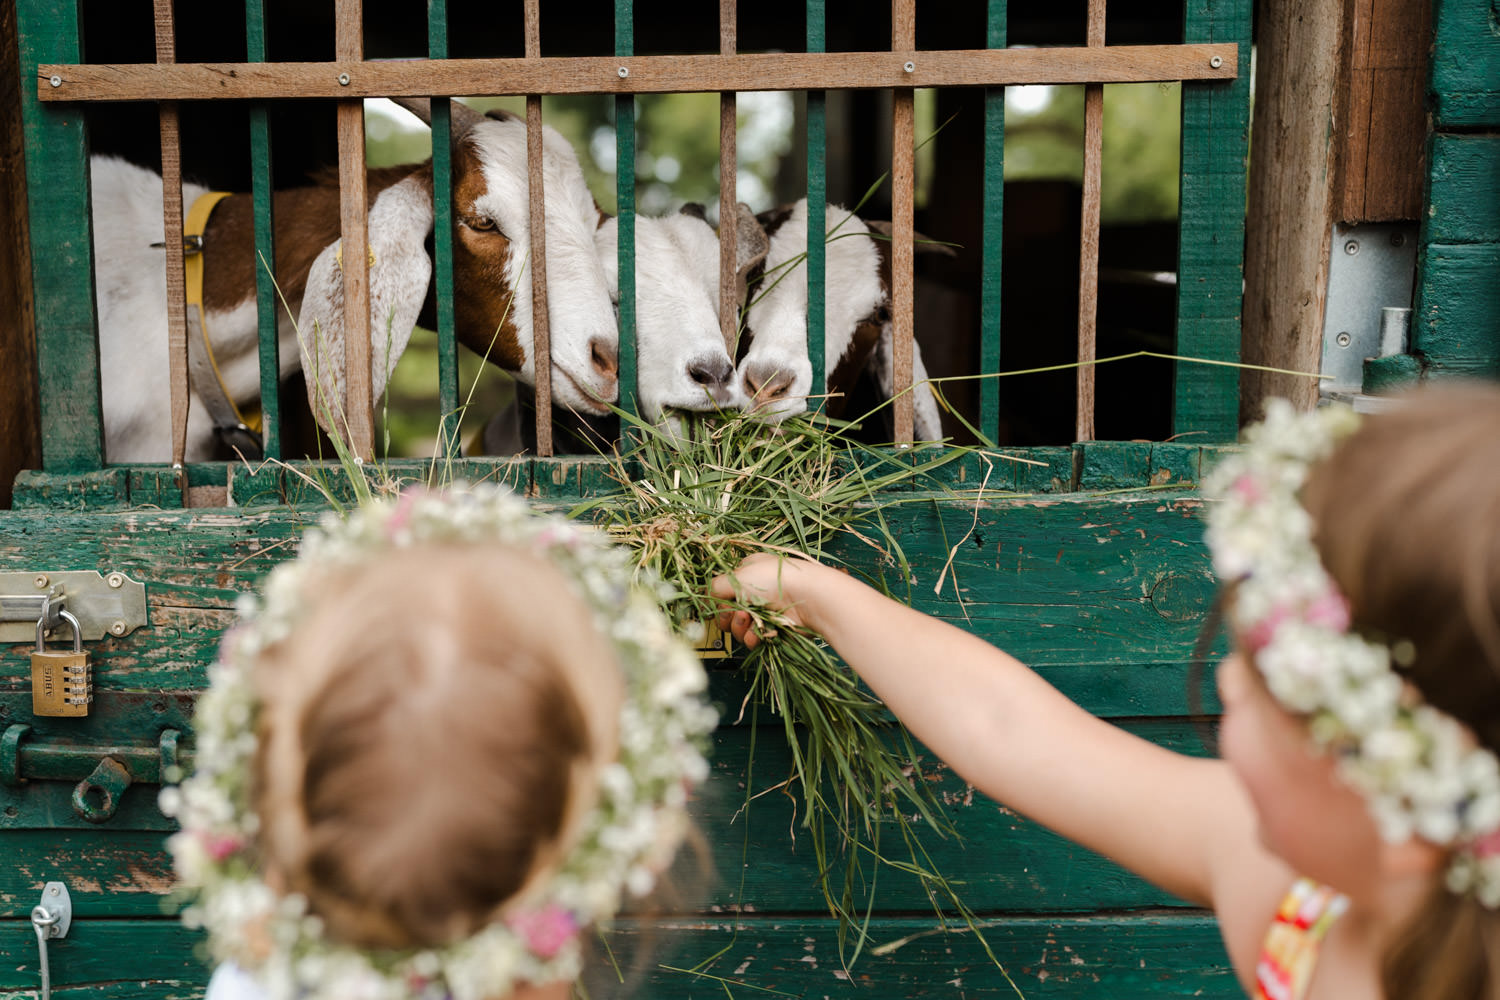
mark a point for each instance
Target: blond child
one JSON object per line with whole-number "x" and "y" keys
{"x": 1349, "y": 841}
{"x": 451, "y": 737}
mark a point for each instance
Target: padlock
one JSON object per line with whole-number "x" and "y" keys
{"x": 62, "y": 684}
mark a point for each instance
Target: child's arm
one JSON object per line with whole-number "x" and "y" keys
{"x": 1166, "y": 816}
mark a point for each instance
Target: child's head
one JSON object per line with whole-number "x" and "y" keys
{"x": 1364, "y": 564}
{"x": 453, "y": 736}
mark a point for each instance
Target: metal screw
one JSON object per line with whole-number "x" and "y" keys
{"x": 1351, "y": 248}
{"x": 343, "y": 79}
{"x": 52, "y": 891}
{"x": 115, "y": 580}
{"x": 624, "y": 71}
{"x": 1398, "y": 239}
{"x": 56, "y": 81}
{"x": 910, "y": 66}
{"x": 118, "y": 628}
{"x": 1216, "y": 62}
{"x": 1344, "y": 339}
{"x": 41, "y": 581}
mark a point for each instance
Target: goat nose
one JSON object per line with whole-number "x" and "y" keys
{"x": 605, "y": 357}
{"x": 715, "y": 375}
{"x": 766, "y": 382}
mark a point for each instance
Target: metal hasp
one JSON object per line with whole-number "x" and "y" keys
{"x": 51, "y": 918}
{"x": 105, "y": 604}
{"x": 102, "y": 773}
{"x": 1371, "y": 274}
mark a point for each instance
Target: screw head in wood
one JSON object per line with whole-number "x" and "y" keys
{"x": 56, "y": 81}
{"x": 624, "y": 71}
{"x": 1216, "y": 62}
{"x": 343, "y": 79}
{"x": 910, "y": 66}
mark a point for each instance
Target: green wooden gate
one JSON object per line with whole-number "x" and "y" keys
{"x": 1086, "y": 562}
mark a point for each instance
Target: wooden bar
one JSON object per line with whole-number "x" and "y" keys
{"x": 442, "y": 236}
{"x": 625, "y": 197}
{"x": 990, "y": 290}
{"x": 266, "y": 300}
{"x": 171, "y": 209}
{"x": 728, "y": 188}
{"x": 903, "y": 208}
{"x": 817, "y": 211}
{"x": 20, "y": 423}
{"x": 1088, "y": 247}
{"x": 1211, "y": 229}
{"x": 62, "y": 254}
{"x": 541, "y": 331}
{"x": 358, "y": 417}
{"x": 645, "y": 74}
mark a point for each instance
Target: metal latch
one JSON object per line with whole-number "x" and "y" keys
{"x": 1371, "y": 275}
{"x": 51, "y": 918}
{"x": 105, "y": 604}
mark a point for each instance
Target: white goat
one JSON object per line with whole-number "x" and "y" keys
{"x": 775, "y": 368}
{"x": 493, "y": 300}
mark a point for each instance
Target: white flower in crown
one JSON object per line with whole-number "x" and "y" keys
{"x": 1420, "y": 771}
{"x": 630, "y": 834}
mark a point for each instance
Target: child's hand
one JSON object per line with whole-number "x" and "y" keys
{"x": 762, "y": 579}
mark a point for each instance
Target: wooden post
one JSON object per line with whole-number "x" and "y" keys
{"x": 728, "y": 190}
{"x": 1088, "y": 246}
{"x": 358, "y": 417}
{"x": 541, "y": 331}
{"x": 171, "y": 207}
{"x": 903, "y": 208}
{"x": 20, "y": 428}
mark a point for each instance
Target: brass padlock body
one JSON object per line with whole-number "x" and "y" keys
{"x": 62, "y": 684}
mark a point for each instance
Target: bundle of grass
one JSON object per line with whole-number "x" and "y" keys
{"x": 692, "y": 504}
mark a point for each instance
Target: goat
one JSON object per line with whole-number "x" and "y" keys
{"x": 774, "y": 366}
{"x": 492, "y": 309}
{"x": 683, "y": 363}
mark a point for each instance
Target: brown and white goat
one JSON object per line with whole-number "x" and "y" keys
{"x": 774, "y": 366}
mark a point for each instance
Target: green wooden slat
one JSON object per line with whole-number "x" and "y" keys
{"x": 1114, "y": 957}
{"x": 1464, "y": 81}
{"x": 993, "y": 236}
{"x": 442, "y": 213}
{"x": 1457, "y": 317}
{"x": 1463, "y": 194}
{"x": 62, "y": 247}
{"x": 625, "y": 195}
{"x": 817, "y": 208}
{"x": 1210, "y": 258}
{"x": 267, "y": 303}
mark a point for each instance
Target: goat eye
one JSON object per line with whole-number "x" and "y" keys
{"x": 482, "y": 224}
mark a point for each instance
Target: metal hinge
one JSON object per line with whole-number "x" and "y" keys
{"x": 1371, "y": 274}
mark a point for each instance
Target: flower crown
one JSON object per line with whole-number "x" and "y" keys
{"x": 628, "y": 836}
{"x": 1419, "y": 769}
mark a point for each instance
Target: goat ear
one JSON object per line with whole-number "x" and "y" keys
{"x": 464, "y": 118}
{"x": 927, "y": 424}
{"x": 400, "y": 271}
{"x": 694, "y": 209}
{"x": 751, "y": 244}
{"x": 923, "y": 244}
{"x": 501, "y": 115}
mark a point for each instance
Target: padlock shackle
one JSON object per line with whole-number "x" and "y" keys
{"x": 65, "y": 615}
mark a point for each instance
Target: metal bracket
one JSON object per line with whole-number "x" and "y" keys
{"x": 106, "y": 604}
{"x": 50, "y": 918}
{"x": 1371, "y": 274}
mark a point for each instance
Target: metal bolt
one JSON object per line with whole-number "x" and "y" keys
{"x": 52, "y": 891}
{"x": 1351, "y": 248}
{"x": 1344, "y": 339}
{"x": 624, "y": 71}
{"x": 343, "y": 79}
{"x": 1216, "y": 62}
{"x": 56, "y": 81}
{"x": 910, "y": 66}
{"x": 41, "y": 581}
{"x": 1398, "y": 239}
{"x": 118, "y": 628}
{"x": 115, "y": 580}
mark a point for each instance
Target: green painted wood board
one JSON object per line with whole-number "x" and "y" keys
{"x": 267, "y": 301}
{"x": 1210, "y": 261}
{"x": 1464, "y": 80}
{"x": 990, "y": 290}
{"x": 1463, "y": 196}
{"x": 1083, "y": 958}
{"x": 817, "y": 209}
{"x": 1456, "y": 325}
{"x": 62, "y": 251}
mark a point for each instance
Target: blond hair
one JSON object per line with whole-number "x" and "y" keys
{"x": 431, "y": 736}
{"x": 1407, "y": 515}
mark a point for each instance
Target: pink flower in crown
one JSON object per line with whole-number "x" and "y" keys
{"x": 1258, "y": 634}
{"x": 1328, "y": 610}
{"x": 1247, "y": 488}
{"x": 546, "y": 931}
{"x": 1487, "y": 846}
{"x": 222, "y": 846}
{"x": 402, "y": 514}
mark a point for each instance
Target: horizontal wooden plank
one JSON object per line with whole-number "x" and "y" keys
{"x": 1457, "y": 317}
{"x": 1463, "y": 185}
{"x": 1090, "y": 958}
{"x": 642, "y": 74}
{"x": 1464, "y": 86}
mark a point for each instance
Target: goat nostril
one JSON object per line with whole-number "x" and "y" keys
{"x": 605, "y": 359}
{"x": 711, "y": 373}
